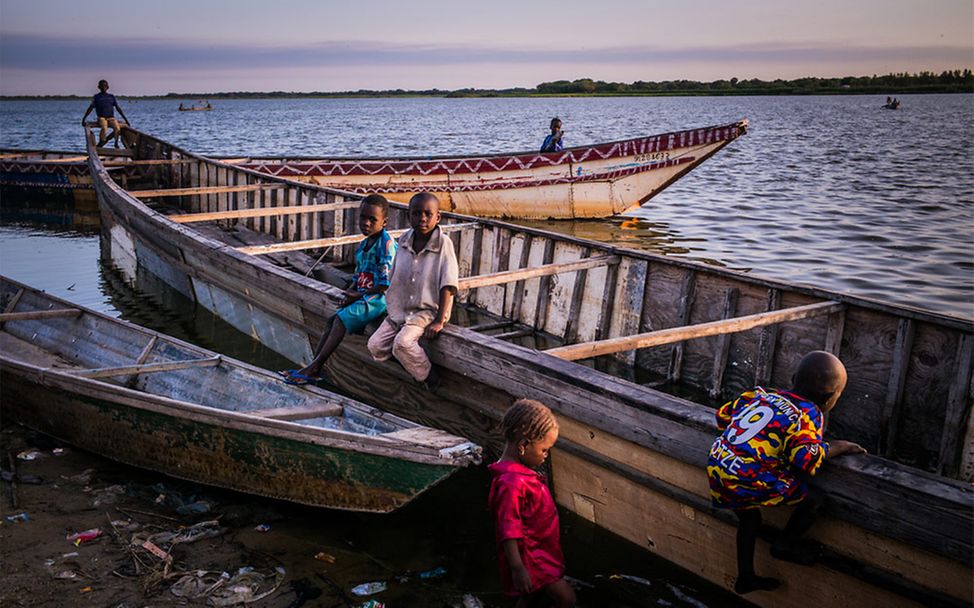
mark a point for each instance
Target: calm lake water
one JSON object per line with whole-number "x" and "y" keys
{"x": 829, "y": 191}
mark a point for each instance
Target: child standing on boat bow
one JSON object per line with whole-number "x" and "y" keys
{"x": 424, "y": 282}
{"x": 770, "y": 444}
{"x": 364, "y": 300}
{"x": 532, "y": 565}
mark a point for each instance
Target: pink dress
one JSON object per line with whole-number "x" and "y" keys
{"x": 524, "y": 510}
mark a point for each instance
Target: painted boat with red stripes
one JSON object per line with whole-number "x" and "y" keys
{"x": 594, "y": 181}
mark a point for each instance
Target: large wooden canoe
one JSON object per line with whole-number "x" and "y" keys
{"x": 265, "y": 254}
{"x": 593, "y": 181}
{"x": 583, "y": 182}
{"x": 152, "y": 401}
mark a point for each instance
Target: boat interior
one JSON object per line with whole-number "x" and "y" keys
{"x": 689, "y": 329}
{"x": 51, "y": 335}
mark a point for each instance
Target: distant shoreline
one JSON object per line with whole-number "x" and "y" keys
{"x": 951, "y": 81}
{"x": 378, "y": 95}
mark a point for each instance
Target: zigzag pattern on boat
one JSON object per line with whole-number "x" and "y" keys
{"x": 502, "y": 184}
{"x": 645, "y": 145}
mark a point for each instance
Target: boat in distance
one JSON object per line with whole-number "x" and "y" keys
{"x": 575, "y": 323}
{"x": 152, "y": 401}
{"x": 593, "y": 181}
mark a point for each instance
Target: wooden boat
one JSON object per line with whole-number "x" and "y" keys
{"x": 266, "y": 255}
{"x": 149, "y": 400}
{"x": 205, "y": 108}
{"x": 584, "y": 182}
{"x": 593, "y": 181}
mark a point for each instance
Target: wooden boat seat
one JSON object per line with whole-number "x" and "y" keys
{"x": 315, "y": 410}
{"x": 22, "y": 350}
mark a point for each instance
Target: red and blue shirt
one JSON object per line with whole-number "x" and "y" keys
{"x": 771, "y": 442}
{"x": 373, "y": 263}
{"x": 524, "y": 510}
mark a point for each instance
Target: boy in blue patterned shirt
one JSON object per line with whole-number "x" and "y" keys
{"x": 770, "y": 444}
{"x": 365, "y": 300}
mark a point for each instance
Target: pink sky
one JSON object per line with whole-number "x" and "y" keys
{"x": 306, "y": 45}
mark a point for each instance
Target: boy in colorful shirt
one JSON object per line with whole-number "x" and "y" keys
{"x": 365, "y": 300}
{"x": 771, "y": 443}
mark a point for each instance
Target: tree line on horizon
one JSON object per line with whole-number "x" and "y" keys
{"x": 948, "y": 81}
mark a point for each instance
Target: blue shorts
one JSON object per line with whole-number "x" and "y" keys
{"x": 360, "y": 313}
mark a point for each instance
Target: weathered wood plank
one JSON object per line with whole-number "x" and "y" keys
{"x": 678, "y": 334}
{"x": 894, "y": 393}
{"x": 578, "y": 296}
{"x": 203, "y": 190}
{"x": 335, "y": 241}
{"x": 14, "y": 301}
{"x": 723, "y": 345}
{"x": 767, "y": 343}
{"x": 314, "y": 410}
{"x": 146, "y": 368}
{"x": 833, "y": 336}
{"x": 517, "y": 297}
{"x": 544, "y": 286}
{"x": 509, "y": 276}
{"x": 957, "y": 407}
{"x": 687, "y": 294}
{"x": 31, "y": 315}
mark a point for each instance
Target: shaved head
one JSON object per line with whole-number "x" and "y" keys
{"x": 820, "y": 377}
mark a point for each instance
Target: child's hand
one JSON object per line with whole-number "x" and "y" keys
{"x": 350, "y": 296}
{"x": 839, "y": 447}
{"x": 433, "y": 329}
{"x": 521, "y": 578}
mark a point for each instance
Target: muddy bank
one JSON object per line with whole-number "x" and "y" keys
{"x": 320, "y": 554}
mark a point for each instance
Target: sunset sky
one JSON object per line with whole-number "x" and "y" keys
{"x": 61, "y": 47}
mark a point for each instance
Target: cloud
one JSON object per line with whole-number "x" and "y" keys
{"x": 39, "y": 52}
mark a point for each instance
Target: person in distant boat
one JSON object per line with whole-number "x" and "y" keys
{"x": 365, "y": 300}
{"x": 182, "y": 107}
{"x": 554, "y": 141}
{"x": 104, "y": 104}
{"x": 770, "y": 444}
{"x": 425, "y": 279}
{"x": 532, "y": 564}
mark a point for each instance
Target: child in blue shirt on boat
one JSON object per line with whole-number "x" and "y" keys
{"x": 770, "y": 444}
{"x": 553, "y": 142}
{"x": 365, "y": 299}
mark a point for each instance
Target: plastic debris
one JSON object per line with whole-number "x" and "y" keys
{"x": 63, "y": 568}
{"x": 373, "y": 604}
{"x": 683, "y": 597}
{"x": 631, "y": 578}
{"x": 370, "y": 588}
{"x": 58, "y": 451}
{"x": 221, "y": 589}
{"x": 83, "y": 537}
{"x": 155, "y": 550}
{"x": 30, "y": 454}
{"x": 107, "y": 496}
{"x": 471, "y": 601}
{"x": 22, "y": 516}
{"x": 328, "y": 558}
{"x": 198, "y": 507}
{"x": 86, "y": 590}
{"x": 263, "y": 528}
{"x": 204, "y": 529}
{"x": 434, "y": 573}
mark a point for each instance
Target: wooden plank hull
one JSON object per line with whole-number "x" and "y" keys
{"x": 625, "y": 446}
{"x": 585, "y": 182}
{"x": 302, "y": 445}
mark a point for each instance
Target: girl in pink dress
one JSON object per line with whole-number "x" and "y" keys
{"x": 528, "y": 539}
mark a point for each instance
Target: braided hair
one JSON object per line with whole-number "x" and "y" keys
{"x": 529, "y": 420}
